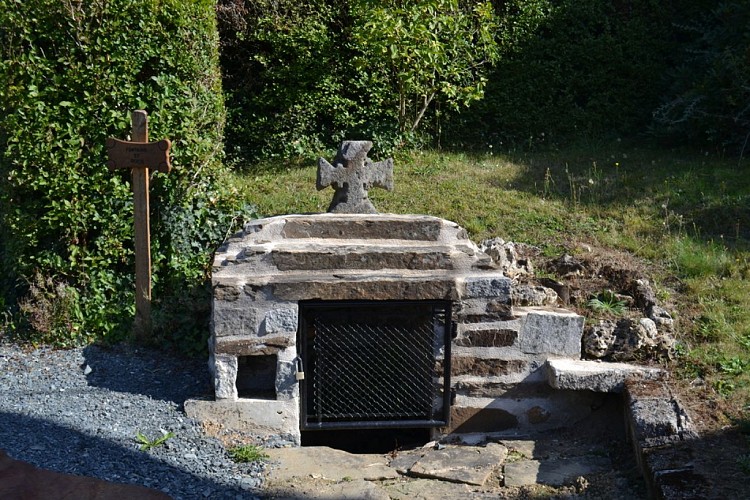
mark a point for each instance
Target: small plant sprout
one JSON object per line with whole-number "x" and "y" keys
{"x": 248, "y": 453}
{"x": 147, "y": 444}
{"x": 608, "y": 303}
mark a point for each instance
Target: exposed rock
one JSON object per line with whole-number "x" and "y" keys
{"x": 562, "y": 290}
{"x": 626, "y": 340}
{"x": 566, "y": 265}
{"x": 643, "y": 294}
{"x": 514, "y": 259}
{"x": 661, "y": 318}
{"x": 529, "y": 295}
{"x": 599, "y": 339}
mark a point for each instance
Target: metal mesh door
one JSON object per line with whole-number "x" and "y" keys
{"x": 374, "y": 364}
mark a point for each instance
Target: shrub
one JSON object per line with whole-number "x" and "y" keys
{"x": 70, "y": 73}
{"x": 302, "y": 76}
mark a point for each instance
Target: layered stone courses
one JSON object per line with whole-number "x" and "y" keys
{"x": 315, "y": 259}
{"x": 261, "y": 274}
{"x": 488, "y": 337}
{"x": 417, "y": 228}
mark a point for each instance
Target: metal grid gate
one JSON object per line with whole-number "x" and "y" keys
{"x": 375, "y": 364}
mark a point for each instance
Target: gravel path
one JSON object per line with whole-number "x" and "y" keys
{"x": 78, "y": 411}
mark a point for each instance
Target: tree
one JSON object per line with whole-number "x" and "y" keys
{"x": 420, "y": 52}
{"x": 303, "y": 75}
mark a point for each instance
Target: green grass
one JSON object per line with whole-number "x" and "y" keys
{"x": 687, "y": 215}
{"x": 147, "y": 444}
{"x": 248, "y": 454}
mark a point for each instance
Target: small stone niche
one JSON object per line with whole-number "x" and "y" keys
{"x": 256, "y": 376}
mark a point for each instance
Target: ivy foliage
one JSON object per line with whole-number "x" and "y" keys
{"x": 70, "y": 74}
{"x": 302, "y": 76}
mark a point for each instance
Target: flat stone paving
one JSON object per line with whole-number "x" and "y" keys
{"x": 590, "y": 460}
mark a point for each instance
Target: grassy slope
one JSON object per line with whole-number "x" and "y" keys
{"x": 688, "y": 215}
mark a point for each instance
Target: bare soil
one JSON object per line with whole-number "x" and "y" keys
{"x": 721, "y": 454}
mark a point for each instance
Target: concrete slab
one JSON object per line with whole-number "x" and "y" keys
{"x": 326, "y": 463}
{"x": 460, "y": 464}
{"x": 521, "y": 473}
{"x": 597, "y": 376}
{"x": 426, "y": 489}
{"x": 357, "y": 489}
{"x": 520, "y": 447}
{"x": 555, "y": 472}
{"x": 260, "y": 416}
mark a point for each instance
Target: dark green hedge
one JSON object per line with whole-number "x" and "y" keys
{"x": 708, "y": 103}
{"x": 70, "y": 74}
{"x": 572, "y": 70}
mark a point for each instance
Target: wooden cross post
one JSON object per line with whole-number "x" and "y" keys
{"x": 139, "y": 155}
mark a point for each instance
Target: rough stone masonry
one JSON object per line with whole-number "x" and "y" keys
{"x": 498, "y": 367}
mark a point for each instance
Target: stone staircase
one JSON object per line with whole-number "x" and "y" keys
{"x": 499, "y": 352}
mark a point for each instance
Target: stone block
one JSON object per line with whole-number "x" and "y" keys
{"x": 552, "y": 332}
{"x": 655, "y": 417}
{"x": 316, "y": 258}
{"x": 580, "y": 375}
{"x": 257, "y": 416}
{"x": 420, "y": 228}
{"x": 249, "y": 345}
{"x": 287, "y": 386}
{"x": 280, "y": 321}
{"x": 372, "y": 288}
{"x": 490, "y": 286}
{"x": 226, "y": 292}
{"x": 466, "y": 420}
{"x": 478, "y": 388}
{"x": 229, "y": 320}
{"x": 481, "y": 367}
{"x": 487, "y": 337}
{"x": 225, "y": 376}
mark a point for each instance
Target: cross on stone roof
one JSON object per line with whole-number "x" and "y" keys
{"x": 351, "y": 175}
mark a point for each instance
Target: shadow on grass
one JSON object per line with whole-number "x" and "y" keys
{"x": 683, "y": 192}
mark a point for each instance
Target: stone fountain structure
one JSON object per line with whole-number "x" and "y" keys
{"x": 295, "y": 294}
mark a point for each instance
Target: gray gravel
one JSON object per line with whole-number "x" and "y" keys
{"x": 78, "y": 411}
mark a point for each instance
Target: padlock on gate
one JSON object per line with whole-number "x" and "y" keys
{"x": 300, "y": 374}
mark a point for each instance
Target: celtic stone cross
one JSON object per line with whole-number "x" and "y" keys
{"x": 351, "y": 175}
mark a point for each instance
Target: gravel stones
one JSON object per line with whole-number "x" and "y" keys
{"x": 78, "y": 412}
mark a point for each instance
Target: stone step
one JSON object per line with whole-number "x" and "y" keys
{"x": 313, "y": 257}
{"x": 520, "y": 410}
{"x": 356, "y": 227}
{"x": 597, "y": 376}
